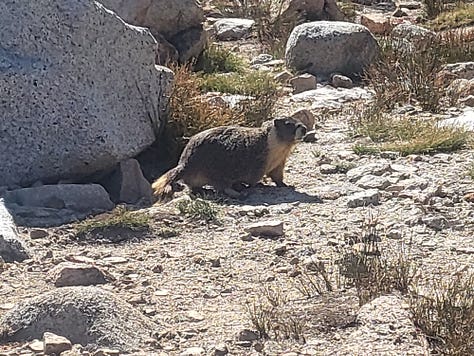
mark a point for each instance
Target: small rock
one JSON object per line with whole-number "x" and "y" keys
{"x": 261, "y": 59}
{"x": 399, "y": 12}
{"x": 373, "y": 182}
{"x": 272, "y": 228}
{"x": 193, "y": 351}
{"x": 303, "y": 82}
{"x": 215, "y": 261}
{"x": 220, "y": 350}
{"x": 38, "y": 234}
{"x": 106, "y": 352}
{"x": 76, "y": 274}
{"x": 194, "y": 316}
{"x": 376, "y": 23}
{"x": 376, "y": 169}
{"x": 468, "y": 100}
{"x": 306, "y": 117}
{"x": 247, "y": 335}
{"x": 247, "y": 238}
{"x": 364, "y": 198}
{"x": 465, "y": 250}
{"x": 114, "y": 260}
{"x": 229, "y": 29}
{"x": 394, "y": 234}
{"x": 55, "y": 344}
{"x": 283, "y": 77}
{"x": 341, "y": 81}
{"x": 437, "y": 222}
{"x": 258, "y": 346}
{"x": 328, "y": 169}
{"x": 36, "y": 346}
{"x": 469, "y": 197}
{"x": 310, "y": 137}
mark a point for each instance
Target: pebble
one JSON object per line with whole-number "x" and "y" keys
{"x": 194, "y": 316}
{"x": 38, "y": 234}
{"x": 193, "y": 351}
{"x": 220, "y": 350}
{"x": 247, "y": 335}
{"x": 328, "y": 169}
{"x": 376, "y": 169}
{"x": 114, "y": 260}
{"x": 76, "y": 274}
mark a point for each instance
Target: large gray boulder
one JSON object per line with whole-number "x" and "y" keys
{"x": 79, "y": 90}
{"x": 53, "y": 205}
{"x": 12, "y": 247}
{"x": 84, "y": 315}
{"x": 325, "y": 47}
{"x": 180, "y": 22}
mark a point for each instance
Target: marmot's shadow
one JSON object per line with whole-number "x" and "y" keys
{"x": 275, "y": 195}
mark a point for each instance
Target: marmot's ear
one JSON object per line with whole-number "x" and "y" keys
{"x": 279, "y": 121}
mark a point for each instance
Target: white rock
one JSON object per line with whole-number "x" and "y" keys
{"x": 193, "y": 351}
{"x": 55, "y": 344}
{"x": 233, "y": 28}
{"x": 271, "y": 228}
{"x": 341, "y": 81}
{"x": 364, "y": 198}
{"x": 373, "y": 182}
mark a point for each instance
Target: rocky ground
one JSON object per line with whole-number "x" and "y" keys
{"x": 201, "y": 283}
{"x": 198, "y": 284}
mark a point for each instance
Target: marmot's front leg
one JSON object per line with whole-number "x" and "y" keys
{"x": 277, "y": 175}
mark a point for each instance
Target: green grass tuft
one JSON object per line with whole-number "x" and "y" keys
{"x": 199, "y": 209}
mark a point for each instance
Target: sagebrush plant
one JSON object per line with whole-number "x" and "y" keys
{"x": 445, "y": 313}
{"x": 199, "y": 209}
{"x": 189, "y": 112}
{"x": 272, "y": 316}
{"x": 260, "y": 89}
{"x": 120, "y": 217}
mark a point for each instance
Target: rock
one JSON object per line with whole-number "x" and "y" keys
{"x": 386, "y": 325}
{"x": 55, "y": 344}
{"x": 247, "y": 335}
{"x": 399, "y": 12}
{"x": 464, "y": 120}
{"x": 373, "y": 182}
{"x": 12, "y": 247}
{"x": 364, "y": 198}
{"x": 194, "y": 316}
{"x": 84, "y": 315}
{"x": 179, "y": 22}
{"x": 271, "y": 228}
{"x": 414, "y": 34}
{"x": 36, "y": 346}
{"x": 230, "y": 29}
{"x": 462, "y": 70}
{"x": 437, "y": 222}
{"x": 38, "y": 234}
{"x": 283, "y": 77}
{"x": 328, "y": 97}
{"x": 306, "y": 117}
{"x": 378, "y": 24}
{"x": 467, "y": 101}
{"x": 310, "y": 136}
{"x": 376, "y": 169}
{"x": 220, "y": 350}
{"x": 469, "y": 197}
{"x": 128, "y": 185}
{"x": 193, "y": 351}
{"x": 106, "y": 352}
{"x": 311, "y": 10}
{"x": 460, "y": 88}
{"x": 341, "y": 81}
{"x": 61, "y": 119}
{"x": 328, "y": 169}
{"x": 303, "y": 83}
{"x": 76, "y": 274}
{"x": 324, "y": 47}
{"x": 52, "y": 205}
{"x": 261, "y": 59}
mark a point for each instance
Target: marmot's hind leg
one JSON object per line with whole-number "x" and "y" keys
{"x": 277, "y": 175}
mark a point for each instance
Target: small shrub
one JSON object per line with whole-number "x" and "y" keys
{"x": 219, "y": 60}
{"x": 190, "y": 113}
{"x": 433, "y": 7}
{"x": 273, "y": 318}
{"x": 445, "y": 313}
{"x": 120, "y": 217}
{"x": 198, "y": 209}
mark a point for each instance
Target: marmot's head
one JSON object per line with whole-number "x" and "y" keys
{"x": 289, "y": 129}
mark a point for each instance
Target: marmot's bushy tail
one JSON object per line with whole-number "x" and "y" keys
{"x": 163, "y": 186}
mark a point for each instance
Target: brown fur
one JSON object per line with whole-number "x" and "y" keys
{"x": 227, "y": 156}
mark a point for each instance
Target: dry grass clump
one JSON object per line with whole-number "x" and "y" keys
{"x": 445, "y": 313}
{"x": 120, "y": 217}
{"x": 272, "y": 316}
{"x": 407, "y": 135}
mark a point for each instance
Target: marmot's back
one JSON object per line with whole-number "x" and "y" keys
{"x": 225, "y": 155}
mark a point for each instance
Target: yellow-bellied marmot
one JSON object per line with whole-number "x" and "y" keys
{"x": 229, "y": 156}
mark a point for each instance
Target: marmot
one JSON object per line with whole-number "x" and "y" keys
{"x": 229, "y": 157}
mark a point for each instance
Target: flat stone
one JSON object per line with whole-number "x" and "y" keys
{"x": 376, "y": 169}
{"x": 272, "y": 228}
{"x": 38, "y": 234}
{"x": 12, "y": 247}
{"x": 229, "y": 29}
{"x": 247, "y": 335}
{"x": 341, "y": 81}
{"x": 303, "y": 82}
{"x": 55, "y": 344}
{"x": 306, "y": 117}
{"x": 76, "y": 274}
{"x": 364, "y": 198}
{"x": 36, "y": 346}
{"x": 373, "y": 182}
{"x": 193, "y": 351}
